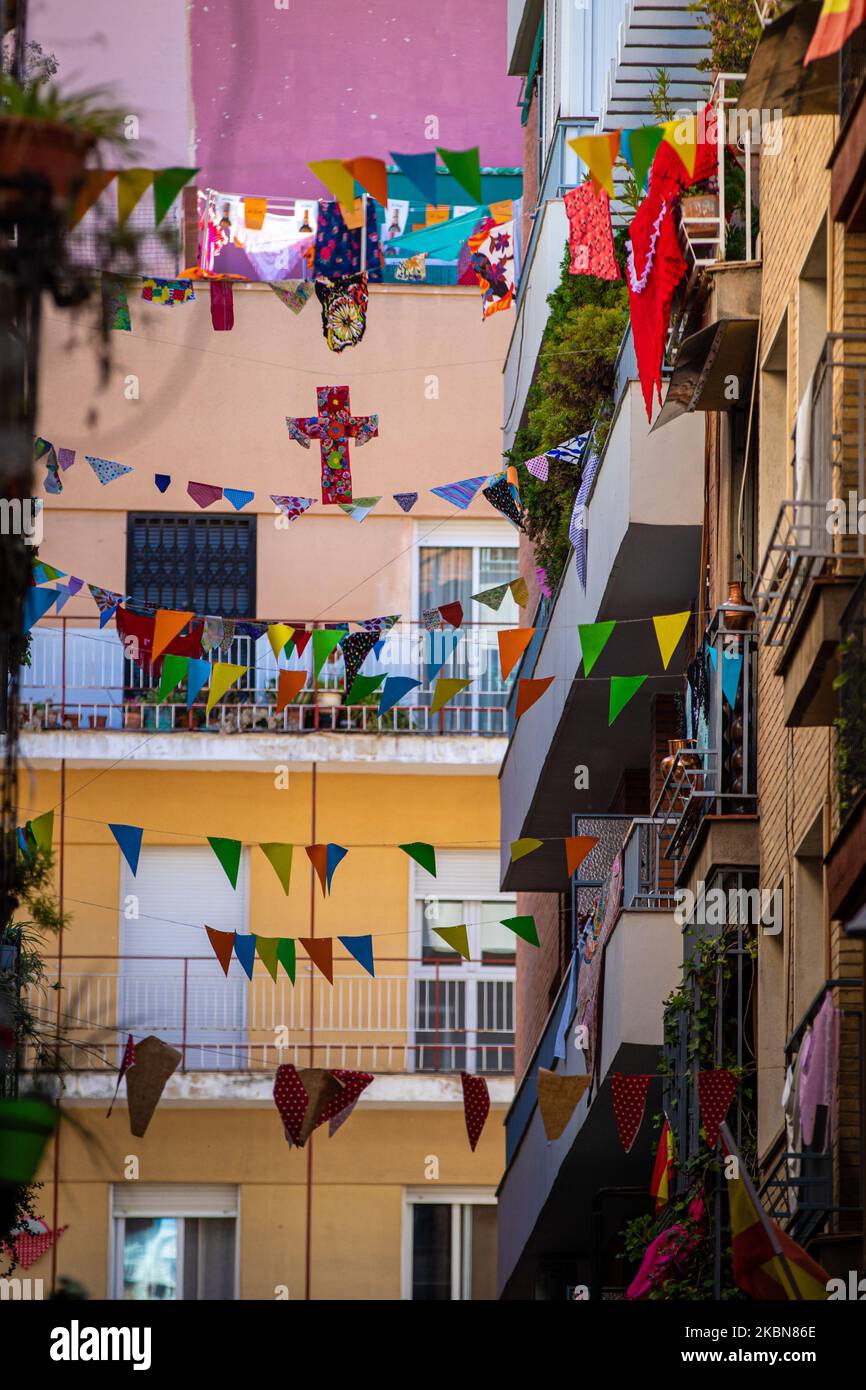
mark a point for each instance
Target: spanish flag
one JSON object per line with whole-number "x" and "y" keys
{"x": 663, "y": 1172}
{"x": 765, "y": 1273}
{"x": 836, "y": 23}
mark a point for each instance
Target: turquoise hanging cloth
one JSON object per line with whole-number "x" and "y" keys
{"x": 443, "y": 240}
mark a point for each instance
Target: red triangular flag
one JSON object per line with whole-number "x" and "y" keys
{"x": 289, "y": 684}
{"x": 528, "y": 691}
{"x": 223, "y": 943}
{"x": 577, "y": 847}
{"x": 476, "y": 1105}
{"x": 301, "y": 638}
{"x": 291, "y": 1099}
{"x": 629, "y": 1104}
{"x": 716, "y": 1090}
{"x": 452, "y": 613}
{"x": 320, "y": 949}
{"x": 318, "y": 857}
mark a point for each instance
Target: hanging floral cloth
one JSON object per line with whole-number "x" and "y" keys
{"x": 590, "y": 234}
{"x": 344, "y": 310}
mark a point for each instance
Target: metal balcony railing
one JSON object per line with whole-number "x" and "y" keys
{"x": 719, "y": 778}
{"x": 705, "y": 228}
{"x": 817, "y": 530}
{"x": 414, "y": 1016}
{"x": 850, "y": 748}
{"x": 800, "y": 1191}
{"x": 79, "y": 678}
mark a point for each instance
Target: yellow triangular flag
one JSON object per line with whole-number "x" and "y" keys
{"x": 456, "y": 937}
{"x": 521, "y": 847}
{"x": 223, "y": 674}
{"x": 278, "y": 635}
{"x": 445, "y": 689}
{"x": 335, "y": 175}
{"x": 131, "y": 184}
{"x": 682, "y": 135}
{"x": 598, "y": 153}
{"x": 669, "y": 629}
{"x": 166, "y": 626}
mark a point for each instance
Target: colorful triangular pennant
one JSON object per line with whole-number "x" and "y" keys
{"x": 455, "y": 937}
{"x": 129, "y": 839}
{"x": 622, "y": 689}
{"x": 320, "y": 949}
{"x": 280, "y": 858}
{"x": 524, "y": 927}
{"x": 594, "y": 637}
{"x": 222, "y": 675}
{"x": 423, "y": 854}
{"x": 228, "y": 852}
{"x": 361, "y": 948}
{"x": 669, "y": 628}
{"x": 528, "y": 691}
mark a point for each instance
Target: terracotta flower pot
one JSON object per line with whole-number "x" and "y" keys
{"x": 44, "y": 149}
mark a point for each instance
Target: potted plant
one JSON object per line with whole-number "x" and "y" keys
{"x": 133, "y": 713}
{"x": 49, "y": 135}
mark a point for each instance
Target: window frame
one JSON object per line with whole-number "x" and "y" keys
{"x": 461, "y": 1257}
{"x": 249, "y": 523}
{"x": 117, "y": 1232}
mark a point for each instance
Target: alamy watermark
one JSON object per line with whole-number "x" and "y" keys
{"x": 22, "y": 516}
{"x": 719, "y": 907}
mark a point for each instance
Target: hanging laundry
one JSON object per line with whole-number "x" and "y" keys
{"x": 590, "y": 233}
{"x": 334, "y": 426}
{"x": 338, "y": 247}
{"x": 413, "y": 269}
{"x": 655, "y": 267}
{"x": 294, "y": 293}
{"x": 222, "y": 305}
{"x": 115, "y": 305}
{"x": 344, "y": 310}
{"x": 493, "y": 263}
{"x": 818, "y": 1068}
{"x": 167, "y": 291}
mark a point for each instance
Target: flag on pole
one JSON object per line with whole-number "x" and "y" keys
{"x": 836, "y": 23}
{"x": 663, "y": 1171}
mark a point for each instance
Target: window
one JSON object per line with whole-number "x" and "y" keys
{"x": 206, "y": 564}
{"x": 449, "y": 1246}
{"x": 174, "y": 1242}
{"x": 463, "y": 1010}
{"x": 171, "y": 983}
{"x": 451, "y": 573}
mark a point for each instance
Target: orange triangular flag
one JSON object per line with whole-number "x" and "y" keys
{"x": 166, "y": 626}
{"x": 95, "y": 183}
{"x": 320, "y": 949}
{"x": 528, "y": 691}
{"x": 577, "y": 847}
{"x": 372, "y": 175}
{"x": 290, "y": 684}
{"x": 318, "y": 857}
{"x": 513, "y": 642}
{"x": 223, "y": 944}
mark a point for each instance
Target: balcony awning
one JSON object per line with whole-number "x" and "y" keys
{"x": 777, "y": 79}
{"x": 706, "y": 362}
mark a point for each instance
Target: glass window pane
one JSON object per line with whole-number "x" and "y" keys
{"x": 483, "y": 1253}
{"x": 498, "y": 564}
{"x": 150, "y": 1257}
{"x": 435, "y": 915}
{"x": 209, "y": 1258}
{"x": 496, "y": 940}
{"x": 494, "y": 1005}
{"x": 445, "y": 576}
{"x": 440, "y": 1025}
{"x": 431, "y": 1253}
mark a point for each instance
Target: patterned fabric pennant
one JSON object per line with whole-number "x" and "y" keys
{"x": 42, "y": 448}
{"x": 291, "y": 1100}
{"x": 431, "y": 620}
{"x": 292, "y": 507}
{"x": 716, "y": 1090}
{"x": 294, "y": 293}
{"x": 352, "y": 1085}
{"x": 405, "y": 500}
{"x": 379, "y": 625}
{"x": 590, "y": 233}
{"x": 107, "y": 470}
{"x": 344, "y": 310}
{"x": 492, "y": 598}
{"x": 36, "y": 1240}
{"x": 413, "y": 269}
{"x": 539, "y": 467}
{"x": 356, "y": 648}
{"x": 66, "y": 458}
{"x": 572, "y": 450}
{"x": 115, "y": 304}
{"x": 500, "y": 495}
{"x": 476, "y": 1105}
{"x": 359, "y": 508}
{"x": 157, "y": 291}
{"x": 460, "y": 494}
{"x": 106, "y": 601}
{"x": 577, "y": 530}
{"x": 126, "y": 1062}
{"x": 629, "y": 1103}
{"x": 205, "y": 494}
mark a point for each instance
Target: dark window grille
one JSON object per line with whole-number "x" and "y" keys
{"x": 206, "y": 564}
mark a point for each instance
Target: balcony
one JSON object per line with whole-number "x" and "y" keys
{"x": 805, "y": 1190}
{"x": 643, "y": 520}
{"x": 545, "y": 1212}
{"x": 808, "y": 543}
{"x": 716, "y": 782}
{"x": 416, "y": 1018}
{"x": 846, "y": 861}
{"x": 848, "y": 160}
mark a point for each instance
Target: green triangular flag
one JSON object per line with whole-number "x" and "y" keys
{"x": 362, "y": 687}
{"x": 643, "y": 144}
{"x": 42, "y": 830}
{"x": 267, "y": 947}
{"x": 465, "y": 167}
{"x": 228, "y": 852}
{"x": 325, "y": 639}
{"x": 286, "y": 956}
{"x": 523, "y": 927}
{"x": 167, "y": 183}
{"x": 456, "y": 937}
{"x": 174, "y": 669}
{"x": 622, "y": 689}
{"x": 594, "y": 638}
{"x": 280, "y": 856}
{"x": 423, "y": 854}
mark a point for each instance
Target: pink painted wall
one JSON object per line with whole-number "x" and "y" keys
{"x": 274, "y": 88}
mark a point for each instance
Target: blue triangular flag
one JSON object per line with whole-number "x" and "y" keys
{"x": 63, "y": 593}
{"x": 732, "y": 669}
{"x": 377, "y": 648}
{"x": 420, "y": 169}
{"x": 245, "y": 950}
{"x": 197, "y": 676}
{"x": 162, "y": 480}
{"x": 361, "y": 947}
{"x": 129, "y": 839}
{"x": 440, "y": 648}
{"x": 238, "y": 497}
{"x": 36, "y": 604}
{"x": 394, "y": 689}
{"x": 22, "y": 840}
{"x": 335, "y": 856}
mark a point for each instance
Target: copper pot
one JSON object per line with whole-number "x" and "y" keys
{"x": 676, "y": 745}
{"x": 734, "y": 620}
